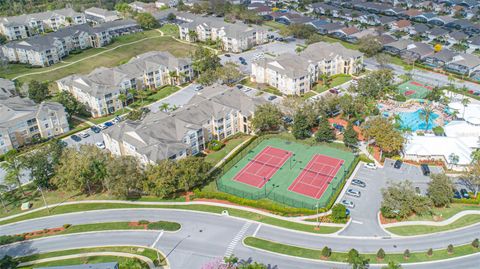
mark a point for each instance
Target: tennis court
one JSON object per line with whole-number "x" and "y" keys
{"x": 276, "y": 169}
{"x": 261, "y": 168}
{"x": 414, "y": 90}
{"x": 316, "y": 176}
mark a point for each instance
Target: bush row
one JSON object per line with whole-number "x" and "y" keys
{"x": 8, "y": 239}
{"x": 164, "y": 225}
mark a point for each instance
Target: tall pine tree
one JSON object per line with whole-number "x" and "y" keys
{"x": 325, "y": 132}
{"x": 350, "y": 137}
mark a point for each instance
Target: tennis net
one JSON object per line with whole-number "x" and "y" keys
{"x": 265, "y": 164}
{"x": 320, "y": 173}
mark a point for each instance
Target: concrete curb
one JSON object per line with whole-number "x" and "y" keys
{"x": 434, "y": 223}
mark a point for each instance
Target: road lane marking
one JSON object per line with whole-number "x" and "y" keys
{"x": 156, "y": 240}
{"x": 357, "y": 222}
{"x": 256, "y": 230}
{"x": 237, "y": 238}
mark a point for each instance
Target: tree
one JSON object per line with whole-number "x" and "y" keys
{"x": 124, "y": 177}
{"x": 450, "y": 249}
{"x": 207, "y": 77}
{"x": 383, "y": 59}
{"x": 381, "y": 254}
{"x": 37, "y": 91}
{"x": 326, "y": 80}
{"x": 146, "y": 20}
{"x": 171, "y": 17}
{"x": 465, "y": 102}
{"x": 193, "y": 172}
{"x": 13, "y": 166}
{"x": 71, "y": 104}
{"x": 326, "y": 252}
{"x": 429, "y": 252}
{"x": 267, "y": 117}
{"x": 406, "y": 254}
{"x": 392, "y": 265}
{"x": 298, "y": 30}
{"x": 204, "y": 59}
{"x": 475, "y": 243}
{"x": 350, "y": 136}
{"x": 7, "y": 262}
{"x": 436, "y": 94}
{"x": 426, "y": 114}
{"x": 300, "y": 128}
{"x": 400, "y": 201}
{"x": 123, "y": 8}
{"x": 123, "y": 98}
{"x": 40, "y": 166}
{"x": 384, "y": 133}
{"x": 229, "y": 73}
{"x": 3, "y": 39}
{"x": 453, "y": 159}
{"x": 357, "y": 261}
{"x": 440, "y": 190}
{"x": 161, "y": 180}
{"x": 375, "y": 85}
{"x": 325, "y": 132}
{"x": 369, "y": 45}
{"x": 339, "y": 213}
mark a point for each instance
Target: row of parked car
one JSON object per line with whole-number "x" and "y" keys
{"x": 353, "y": 193}
{"x": 96, "y": 129}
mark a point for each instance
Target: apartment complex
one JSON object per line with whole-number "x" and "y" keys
{"x": 100, "y": 15}
{"x": 296, "y": 74}
{"x": 22, "y": 121}
{"x": 26, "y": 25}
{"x": 100, "y": 90}
{"x": 48, "y": 49}
{"x": 234, "y": 37}
{"x": 216, "y": 112}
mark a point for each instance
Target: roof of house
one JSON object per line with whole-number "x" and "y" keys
{"x": 420, "y": 28}
{"x": 458, "y": 35}
{"x": 233, "y": 30}
{"x": 402, "y": 23}
{"x": 412, "y": 12}
{"x": 444, "y": 55}
{"x": 420, "y": 48}
{"x": 26, "y": 18}
{"x": 350, "y": 30}
{"x": 438, "y": 31}
{"x": 400, "y": 44}
{"x": 467, "y": 60}
{"x": 323, "y": 50}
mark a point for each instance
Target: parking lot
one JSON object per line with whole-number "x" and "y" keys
{"x": 364, "y": 214}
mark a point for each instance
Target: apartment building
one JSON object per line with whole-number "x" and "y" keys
{"x": 26, "y": 25}
{"x": 100, "y": 90}
{"x": 216, "y": 112}
{"x": 234, "y": 37}
{"x": 100, "y": 15}
{"x": 22, "y": 122}
{"x": 48, "y": 49}
{"x": 296, "y": 74}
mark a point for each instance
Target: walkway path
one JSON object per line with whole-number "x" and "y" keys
{"x": 149, "y": 262}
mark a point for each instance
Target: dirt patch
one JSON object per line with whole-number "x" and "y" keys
{"x": 137, "y": 224}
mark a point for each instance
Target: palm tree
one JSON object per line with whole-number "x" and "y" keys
{"x": 465, "y": 102}
{"x": 173, "y": 77}
{"x": 164, "y": 106}
{"x": 392, "y": 265}
{"x": 123, "y": 98}
{"x": 133, "y": 93}
{"x": 142, "y": 94}
{"x": 426, "y": 115}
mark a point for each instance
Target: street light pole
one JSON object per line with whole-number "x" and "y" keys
{"x": 318, "y": 219}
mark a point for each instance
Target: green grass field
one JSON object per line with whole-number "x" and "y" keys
{"x": 277, "y": 188}
{"x": 426, "y": 229}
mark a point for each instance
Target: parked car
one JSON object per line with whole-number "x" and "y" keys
{"x": 227, "y": 55}
{"x": 359, "y": 183}
{"x": 75, "y": 138}
{"x": 95, "y": 129}
{"x": 354, "y": 193}
{"x": 83, "y": 134}
{"x": 241, "y": 59}
{"x": 100, "y": 145}
{"x": 271, "y": 98}
{"x": 347, "y": 212}
{"x": 348, "y": 203}
{"x": 425, "y": 169}
{"x": 397, "y": 164}
{"x": 108, "y": 124}
{"x": 239, "y": 86}
{"x": 465, "y": 194}
{"x": 116, "y": 120}
{"x": 244, "y": 63}
{"x": 334, "y": 91}
{"x": 372, "y": 166}
{"x": 198, "y": 88}
{"x": 102, "y": 126}
{"x": 456, "y": 194}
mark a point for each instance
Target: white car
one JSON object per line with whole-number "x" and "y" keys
{"x": 354, "y": 193}
{"x": 83, "y": 134}
{"x": 102, "y": 126}
{"x": 100, "y": 145}
{"x": 372, "y": 166}
{"x": 348, "y": 203}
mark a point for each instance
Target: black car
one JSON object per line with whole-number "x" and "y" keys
{"x": 464, "y": 193}
{"x": 76, "y": 138}
{"x": 244, "y": 63}
{"x": 271, "y": 98}
{"x": 241, "y": 59}
{"x": 425, "y": 169}
{"x": 456, "y": 194}
{"x": 227, "y": 55}
{"x": 95, "y": 129}
{"x": 397, "y": 164}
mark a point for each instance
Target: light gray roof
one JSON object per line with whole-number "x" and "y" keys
{"x": 287, "y": 64}
{"x": 160, "y": 135}
{"x": 468, "y": 60}
{"x": 233, "y": 30}
{"x": 26, "y": 18}
{"x": 14, "y": 108}
{"x": 323, "y": 50}
{"x": 444, "y": 55}
{"x": 100, "y": 11}
{"x": 400, "y": 44}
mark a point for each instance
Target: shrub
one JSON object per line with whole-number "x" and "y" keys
{"x": 164, "y": 225}
{"x": 475, "y": 243}
{"x": 381, "y": 254}
{"x": 400, "y": 98}
{"x": 438, "y": 131}
{"x": 215, "y": 145}
{"x": 8, "y": 239}
{"x": 66, "y": 226}
{"x": 326, "y": 252}
{"x": 450, "y": 249}
{"x": 143, "y": 222}
{"x": 352, "y": 254}
{"x": 430, "y": 252}
{"x": 339, "y": 213}
{"x": 406, "y": 254}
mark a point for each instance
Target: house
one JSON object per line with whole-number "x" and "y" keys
{"x": 290, "y": 18}
{"x": 345, "y": 32}
{"x": 474, "y": 43}
{"x": 104, "y": 265}
{"x": 317, "y": 23}
{"x": 397, "y": 47}
{"x": 438, "y": 34}
{"x": 440, "y": 59}
{"x": 143, "y": 7}
{"x": 234, "y": 37}
{"x": 400, "y": 25}
{"x": 100, "y": 15}
{"x": 329, "y": 28}
{"x": 295, "y": 74}
{"x": 215, "y": 113}
{"x": 464, "y": 64}
{"x": 23, "y": 122}
{"x": 355, "y": 37}
{"x": 417, "y": 51}
{"x": 100, "y": 90}
{"x": 410, "y": 13}
{"x": 419, "y": 29}
{"x": 23, "y": 26}
{"x": 456, "y": 37}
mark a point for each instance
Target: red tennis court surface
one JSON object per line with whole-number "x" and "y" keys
{"x": 315, "y": 177}
{"x": 259, "y": 170}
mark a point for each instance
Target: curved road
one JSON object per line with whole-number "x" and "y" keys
{"x": 205, "y": 236}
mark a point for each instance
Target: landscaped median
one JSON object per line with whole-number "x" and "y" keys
{"x": 126, "y": 256}
{"x": 252, "y": 214}
{"x": 318, "y": 254}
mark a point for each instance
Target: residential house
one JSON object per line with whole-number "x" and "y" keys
{"x": 100, "y": 15}
{"x": 290, "y": 18}
{"x": 417, "y": 51}
{"x": 23, "y": 26}
{"x": 329, "y": 28}
{"x": 355, "y": 37}
{"x": 456, "y": 37}
{"x": 440, "y": 59}
{"x": 345, "y": 32}
{"x": 401, "y": 25}
{"x": 474, "y": 43}
{"x": 143, "y": 7}
{"x": 296, "y": 74}
{"x": 419, "y": 29}
{"x": 217, "y": 112}
{"x": 22, "y": 122}
{"x": 438, "y": 34}
{"x": 397, "y": 47}
{"x": 101, "y": 89}
{"x": 464, "y": 64}
{"x": 234, "y": 37}
{"x": 161, "y": 4}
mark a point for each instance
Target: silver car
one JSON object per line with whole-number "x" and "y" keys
{"x": 348, "y": 203}
{"x": 354, "y": 193}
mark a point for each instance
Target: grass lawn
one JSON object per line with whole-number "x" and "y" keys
{"x": 262, "y": 87}
{"x": 336, "y": 81}
{"x": 109, "y": 59}
{"x": 155, "y": 96}
{"x": 275, "y": 25}
{"x": 445, "y": 213}
{"x": 170, "y": 29}
{"x": 342, "y": 257}
{"x": 109, "y": 117}
{"x": 425, "y": 229}
{"x": 123, "y": 262}
{"x": 308, "y": 95}
{"x": 217, "y": 156}
{"x": 334, "y": 40}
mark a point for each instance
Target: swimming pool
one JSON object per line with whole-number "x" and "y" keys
{"x": 415, "y": 121}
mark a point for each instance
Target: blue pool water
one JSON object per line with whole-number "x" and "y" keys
{"x": 414, "y": 120}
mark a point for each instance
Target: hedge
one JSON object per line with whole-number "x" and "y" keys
{"x": 164, "y": 225}
{"x": 8, "y": 239}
